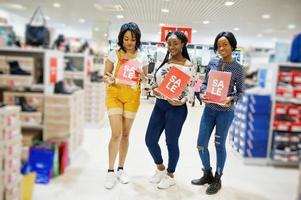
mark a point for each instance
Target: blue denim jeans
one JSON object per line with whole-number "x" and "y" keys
{"x": 222, "y": 121}
{"x": 170, "y": 119}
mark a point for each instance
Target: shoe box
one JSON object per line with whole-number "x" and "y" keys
{"x": 250, "y": 127}
{"x": 287, "y": 117}
{"x": 290, "y": 84}
{"x": 94, "y": 102}
{"x": 35, "y": 100}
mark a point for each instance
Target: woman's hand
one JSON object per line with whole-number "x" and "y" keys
{"x": 227, "y": 103}
{"x": 203, "y": 97}
{"x": 155, "y": 92}
{"x": 109, "y": 78}
{"x": 177, "y": 102}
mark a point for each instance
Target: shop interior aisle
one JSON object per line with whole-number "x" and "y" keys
{"x": 85, "y": 178}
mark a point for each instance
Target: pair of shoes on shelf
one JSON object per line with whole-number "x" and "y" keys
{"x": 25, "y": 107}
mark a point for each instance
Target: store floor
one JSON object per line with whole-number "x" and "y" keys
{"x": 84, "y": 179}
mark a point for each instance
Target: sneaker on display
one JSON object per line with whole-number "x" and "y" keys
{"x": 122, "y": 177}
{"x": 156, "y": 178}
{"x": 110, "y": 180}
{"x": 166, "y": 182}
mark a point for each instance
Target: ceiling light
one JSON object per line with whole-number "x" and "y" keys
{"x": 206, "y": 22}
{"x": 15, "y": 6}
{"x": 161, "y": 24}
{"x": 265, "y": 16}
{"x": 164, "y": 10}
{"x": 291, "y": 26}
{"x": 96, "y": 29}
{"x": 106, "y": 35}
{"x": 82, "y": 21}
{"x": 56, "y": 5}
{"x": 194, "y": 31}
{"x": 259, "y": 35}
{"x": 119, "y": 16}
{"x": 236, "y": 29}
{"x": 229, "y": 3}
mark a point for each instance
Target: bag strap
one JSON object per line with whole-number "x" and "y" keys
{"x": 35, "y": 15}
{"x": 118, "y": 52}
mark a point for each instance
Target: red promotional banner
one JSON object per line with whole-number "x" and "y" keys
{"x": 173, "y": 83}
{"x": 218, "y": 86}
{"x": 165, "y": 30}
{"x": 53, "y": 69}
{"x": 129, "y": 72}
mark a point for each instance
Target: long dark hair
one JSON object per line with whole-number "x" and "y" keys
{"x": 133, "y": 27}
{"x": 181, "y": 36}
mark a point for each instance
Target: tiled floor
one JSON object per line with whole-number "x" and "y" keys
{"x": 84, "y": 179}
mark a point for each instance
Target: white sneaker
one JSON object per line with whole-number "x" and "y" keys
{"x": 156, "y": 178}
{"x": 110, "y": 180}
{"x": 166, "y": 182}
{"x": 122, "y": 177}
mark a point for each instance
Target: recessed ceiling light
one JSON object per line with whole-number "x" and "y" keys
{"x": 81, "y": 20}
{"x": 265, "y": 16}
{"x": 194, "y": 31}
{"x": 119, "y": 16}
{"x": 206, "y": 22}
{"x": 236, "y": 29}
{"x": 229, "y": 3}
{"x": 164, "y": 10}
{"x": 96, "y": 29}
{"x": 291, "y": 26}
{"x": 47, "y": 17}
{"x": 56, "y": 5}
{"x": 259, "y": 35}
{"x": 159, "y": 33}
{"x": 106, "y": 35}
{"x": 162, "y": 24}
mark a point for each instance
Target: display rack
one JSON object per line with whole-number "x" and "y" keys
{"x": 285, "y": 132}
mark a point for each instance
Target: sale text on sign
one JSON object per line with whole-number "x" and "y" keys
{"x": 129, "y": 72}
{"x": 173, "y": 83}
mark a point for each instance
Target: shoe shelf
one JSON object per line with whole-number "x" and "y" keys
{"x": 74, "y": 75}
{"x": 285, "y": 124}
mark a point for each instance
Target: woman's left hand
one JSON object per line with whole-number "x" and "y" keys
{"x": 176, "y": 102}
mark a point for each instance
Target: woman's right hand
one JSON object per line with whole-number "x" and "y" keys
{"x": 156, "y": 93}
{"x": 109, "y": 78}
{"x": 203, "y": 97}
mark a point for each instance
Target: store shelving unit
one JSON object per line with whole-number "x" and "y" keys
{"x": 285, "y": 130}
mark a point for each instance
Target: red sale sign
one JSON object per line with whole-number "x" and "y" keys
{"x": 173, "y": 83}
{"x": 53, "y": 67}
{"x": 165, "y": 30}
{"x": 129, "y": 72}
{"x": 218, "y": 86}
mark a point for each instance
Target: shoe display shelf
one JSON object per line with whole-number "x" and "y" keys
{"x": 64, "y": 119}
{"x": 78, "y": 67}
{"x": 95, "y": 94}
{"x": 285, "y": 133}
{"x": 249, "y": 131}
{"x": 10, "y": 153}
{"x": 26, "y": 76}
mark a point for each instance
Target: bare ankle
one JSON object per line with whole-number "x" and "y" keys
{"x": 170, "y": 174}
{"x": 161, "y": 167}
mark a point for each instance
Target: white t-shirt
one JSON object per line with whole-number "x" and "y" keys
{"x": 141, "y": 57}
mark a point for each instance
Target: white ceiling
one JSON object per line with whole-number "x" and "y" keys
{"x": 244, "y": 14}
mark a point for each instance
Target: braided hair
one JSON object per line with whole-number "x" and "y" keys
{"x": 181, "y": 36}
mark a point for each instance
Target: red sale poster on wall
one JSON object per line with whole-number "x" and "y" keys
{"x": 173, "y": 83}
{"x": 218, "y": 86}
{"x": 129, "y": 72}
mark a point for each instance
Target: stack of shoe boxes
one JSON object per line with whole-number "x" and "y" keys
{"x": 250, "y": 127}
{"x": 287, "y": 118}
{"x": 16, "y": 71}
{"x": 63, "y": 119}
{"x": 32, "y": 105}
{"x": 95, "y": 103}
{"x": 11, "y": 152}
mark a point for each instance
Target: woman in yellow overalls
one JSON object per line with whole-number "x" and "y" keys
{"x": 122, "y": 100}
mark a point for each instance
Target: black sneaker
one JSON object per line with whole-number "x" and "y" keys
{"x": 215, "y": 186}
